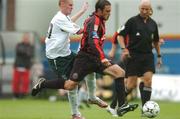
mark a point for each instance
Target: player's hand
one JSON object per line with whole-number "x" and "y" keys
{"x": 85, "y": 6}
{"x": 111, "y": 54}
{"x": 125, "y": 54}
{"x": 159, "y": 62}
{"x": 106, "y": 62}
{"x": 161, "y": 42}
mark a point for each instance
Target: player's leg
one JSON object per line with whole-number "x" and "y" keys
{"x": 61, "y": 66}
{"x": 114, "y": 103}
{"x": 118, "y": 74}
{"x": 148, "y": 69}
{"x": 61, "y": 84}
{"x": 131, "y": 83}
{"x": 147, "y": 89}
{"x": 83, "y": 95}
{"x": 133, "y": 68}
{"x": 141, "y": 87}
{"x": 73, "y": 101}
{"x": 48, "y": 84}
{"x": 112, "y": 107}
{"x": 85, "y": 64}
{"x": 64, "y": 67}
{"x": 129, "y": 86}
{"x": 91, "y": 87}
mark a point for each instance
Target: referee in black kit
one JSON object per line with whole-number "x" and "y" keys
{"x": 142, "y": 32}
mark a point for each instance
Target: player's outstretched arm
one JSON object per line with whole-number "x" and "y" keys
{"x": 81, "y": 12}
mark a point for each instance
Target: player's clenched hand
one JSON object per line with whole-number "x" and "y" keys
{"x": 159, "y": 62}
{"x": 106, "y": 62}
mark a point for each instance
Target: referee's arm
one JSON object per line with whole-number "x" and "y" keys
{"x": 157, "y": 47}
{"x": 159, "y": 59}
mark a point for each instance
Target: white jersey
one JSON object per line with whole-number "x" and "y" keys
{"x": 57, "y": 39}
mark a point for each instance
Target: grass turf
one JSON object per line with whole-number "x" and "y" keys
{"x": 43, "y": 109}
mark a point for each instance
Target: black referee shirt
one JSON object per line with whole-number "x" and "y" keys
{"x": 141, "y": 35}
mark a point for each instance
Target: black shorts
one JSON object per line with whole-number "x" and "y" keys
{"x": 139, "y": 64}
{"x": 85, "y": 64}
{"x": 62, "y": 65}
{"x": 122, "y": 64}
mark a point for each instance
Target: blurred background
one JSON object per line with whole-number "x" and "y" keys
{"x": 33, "y": 16}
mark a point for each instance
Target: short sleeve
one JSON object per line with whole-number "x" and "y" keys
{"x": 67, "y": 26}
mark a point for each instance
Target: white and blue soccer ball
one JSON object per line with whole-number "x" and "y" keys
{"x": 151, "y": 109}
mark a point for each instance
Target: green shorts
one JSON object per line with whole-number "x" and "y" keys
{"x": 62, "y": 65}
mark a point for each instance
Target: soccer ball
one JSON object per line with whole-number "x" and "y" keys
{"x": 151, "y": 109}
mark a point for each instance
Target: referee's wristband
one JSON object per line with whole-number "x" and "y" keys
{"x": 158, "y": 56}
{"x": 123, "y": 48}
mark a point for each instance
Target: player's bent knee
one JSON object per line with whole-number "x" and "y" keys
{"x": 120, "y": 71}
{"x": 115, "y": 71}
{"x": 148, "y": 83}
{"x": 70, "y": 85}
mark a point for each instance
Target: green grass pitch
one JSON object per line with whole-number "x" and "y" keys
{"x": 43, "y": 109}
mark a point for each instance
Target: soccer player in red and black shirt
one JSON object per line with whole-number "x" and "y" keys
{"x": 91, "y": 58}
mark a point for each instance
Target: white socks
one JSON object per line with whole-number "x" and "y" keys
{"x": 73, "y": 95}
{"x": 91, "y": 85}
{"x": 73, "y": 101}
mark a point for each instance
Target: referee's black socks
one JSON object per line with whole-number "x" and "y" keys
{"x": 146, "y": 94}
{"x": 141, "y": 86}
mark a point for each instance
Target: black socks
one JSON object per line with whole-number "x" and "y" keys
{"x": 120, "y": 90}
{"x": 114, "y": 101}
{"x": 53, "y": 84}
{"x": 145, "y": 93}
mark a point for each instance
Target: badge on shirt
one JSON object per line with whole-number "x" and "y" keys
{"x": 95, "y": 35}
{"x": 121, "y": 28}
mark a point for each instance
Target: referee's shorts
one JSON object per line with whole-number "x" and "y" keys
{"x": 138, "y": 64}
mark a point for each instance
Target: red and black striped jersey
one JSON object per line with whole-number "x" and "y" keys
{"x": 93, "y": 36}
{"x": 115, "y": 41}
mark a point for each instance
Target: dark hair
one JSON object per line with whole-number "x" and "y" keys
{"x": 100, "y": 4}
